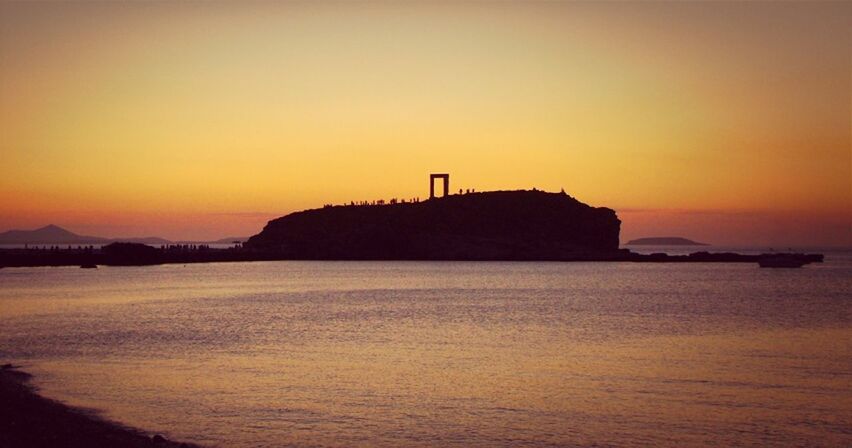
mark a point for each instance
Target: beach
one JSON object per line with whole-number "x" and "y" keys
{"x": 30, "y": 420}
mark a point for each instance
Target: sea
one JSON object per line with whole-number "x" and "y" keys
{"x": 450, "y": 354}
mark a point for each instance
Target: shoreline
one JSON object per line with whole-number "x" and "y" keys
{"x": 133, "y": 254}
{"x": 29, "y": 420}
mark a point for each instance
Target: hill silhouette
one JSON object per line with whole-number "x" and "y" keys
{"x": 53, "y": 234}
{"x": 497, "y": 225}
{"x": 50, "y": 234}
{"x": 228, "y": 240}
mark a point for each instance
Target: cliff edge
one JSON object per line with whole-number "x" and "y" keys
{"x": 497, "y": 225}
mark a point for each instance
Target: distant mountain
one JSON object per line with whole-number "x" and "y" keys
{"x": 48, "y": 235}
{"x": 155, "y": 240}
{"x": 664, "y": 241}
{"x": 53, "y": 234}
{"x": 230, "y": 240}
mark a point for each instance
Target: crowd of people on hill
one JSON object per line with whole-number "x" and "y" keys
{"x": 376, "y": 202}
{"x": 393, "y": 201}
{"x": 184, "y": 247}
{"x": 57, "y": 248}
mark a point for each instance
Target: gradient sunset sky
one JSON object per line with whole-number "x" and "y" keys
{"x": 724, "y": 122}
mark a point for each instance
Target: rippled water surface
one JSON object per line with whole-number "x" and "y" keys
{"x": 449, "y": 354}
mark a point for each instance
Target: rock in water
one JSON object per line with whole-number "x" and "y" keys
{"x": 498, "y": 225}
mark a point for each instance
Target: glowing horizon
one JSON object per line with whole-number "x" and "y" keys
{"x": 727, "y": 123}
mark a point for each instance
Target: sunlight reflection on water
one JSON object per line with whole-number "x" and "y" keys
{"x": 463, "y": 354}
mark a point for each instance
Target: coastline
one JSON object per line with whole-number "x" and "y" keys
{"x": 132, "y": 254}
{"x": 28, "y": 420}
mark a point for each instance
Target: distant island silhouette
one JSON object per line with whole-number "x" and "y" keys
{"x": 664, "y": 241}
{"x": 53, "y": 234}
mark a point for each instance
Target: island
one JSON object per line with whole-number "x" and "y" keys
{"x": 664, "y": 241}
{"x": 497, "y": 225}
{"x": 519, "y": 225}
{"x": 54, "y": 235}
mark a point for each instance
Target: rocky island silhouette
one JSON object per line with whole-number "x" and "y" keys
{"x": 497, "y": 225}
{"x": 520, "y": 225}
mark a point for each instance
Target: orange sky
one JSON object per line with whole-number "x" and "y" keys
{"x": 728, "y": 123}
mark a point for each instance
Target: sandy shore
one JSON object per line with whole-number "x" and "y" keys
{"x": 28, "y": 420}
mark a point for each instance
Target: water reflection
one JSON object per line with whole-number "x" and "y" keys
{"x": 463, "y": 354}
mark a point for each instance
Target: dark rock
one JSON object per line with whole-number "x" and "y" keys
{"x": 498, "y": 225}
{"x": 158, "y": 440}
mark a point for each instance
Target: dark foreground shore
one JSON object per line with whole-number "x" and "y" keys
{"x": 28, "y": 420}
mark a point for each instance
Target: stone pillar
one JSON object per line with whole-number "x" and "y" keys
{"x": 445, "y": 178}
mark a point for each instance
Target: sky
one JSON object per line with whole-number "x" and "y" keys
{"x": 729, "y": 123}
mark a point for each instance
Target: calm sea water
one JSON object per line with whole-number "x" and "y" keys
{"x": 451, "y": 354}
